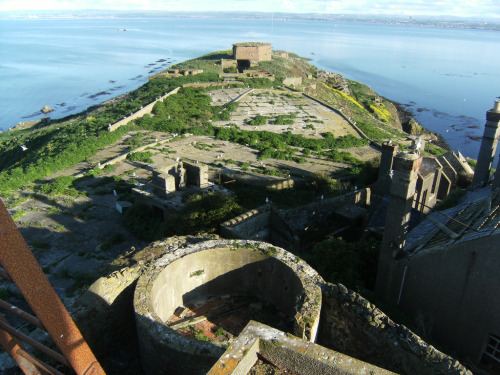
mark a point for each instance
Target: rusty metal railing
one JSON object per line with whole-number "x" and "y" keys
{"x": 21, "y": 268}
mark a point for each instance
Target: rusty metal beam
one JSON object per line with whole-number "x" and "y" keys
{"x": 39, "y": 364}
{"x": 28, "y": 340}
{"x": 16, "y": 311}
{"x": 13, "y": 346}
{"x": 22, "y": 267}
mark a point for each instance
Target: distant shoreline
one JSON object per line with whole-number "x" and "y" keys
{"x": 492, "y": 24}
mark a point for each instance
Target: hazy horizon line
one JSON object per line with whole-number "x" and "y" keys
{"x": 146, "y": 12}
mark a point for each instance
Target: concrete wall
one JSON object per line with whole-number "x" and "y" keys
{"x": 261, "y": 224}
{"x": 225, "y": 63}
{"x": 292, "y": 81}
{"x": 452, "y": 293}
{"x": 253, "y": 53}
{"x": 218, "y": 268}
{"x": 352, "y": 325}
{"x": 314, "y": 213}
{"x": 287, "y": 352}
{"x": 252, "y": 225}
{"x": 145, "y": 110}
{"x": 224, "y": 272}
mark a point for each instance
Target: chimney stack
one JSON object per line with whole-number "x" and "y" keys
{"x": 406, "y": 166}
{"x": 383, "y": 184}
{"x": 488, "y": 146}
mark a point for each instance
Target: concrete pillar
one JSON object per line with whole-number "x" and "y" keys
{"x": 496, "y": 179}
{"x": 406, "y": 167}
{"x": 383, "y": 184}
{"x": 488, "y": 146}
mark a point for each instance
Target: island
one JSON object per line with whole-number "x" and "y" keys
{"x": 210, "y": 187}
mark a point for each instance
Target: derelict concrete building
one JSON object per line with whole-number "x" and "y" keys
{"x": 445, "y": 272}
{"x": 249, "y": 53}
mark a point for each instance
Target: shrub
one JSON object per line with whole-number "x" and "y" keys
{"x": 62, "y": 185}
{"x": 144, "y": 157}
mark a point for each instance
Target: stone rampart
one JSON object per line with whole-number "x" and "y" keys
{"x": 352, "y": 325}
{"x": 141, "y": 112}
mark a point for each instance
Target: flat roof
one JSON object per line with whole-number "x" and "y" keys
{"x": 251, "y": 44}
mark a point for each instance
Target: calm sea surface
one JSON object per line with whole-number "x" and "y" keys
{"x": 448, "y": 77}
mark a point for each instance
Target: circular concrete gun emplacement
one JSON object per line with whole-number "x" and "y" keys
{"x": 192, "y": 302}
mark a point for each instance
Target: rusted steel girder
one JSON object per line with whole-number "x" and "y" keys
{"x": 18, "y": 261}
{"x": 13, "y": 346}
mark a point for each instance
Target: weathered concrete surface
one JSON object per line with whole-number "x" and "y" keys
{"x": 218, "y": 267}
{"x": 354, "y": 326}
{"x": 288, "y": 352}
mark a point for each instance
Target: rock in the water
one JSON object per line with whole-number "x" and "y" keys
{"x": 46, "y": 109}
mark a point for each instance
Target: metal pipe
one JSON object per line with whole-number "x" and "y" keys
{"x": 28, "y": 340}
{"x": 21, "y": 314}
{"x": 402, "y": 284}
{"x": 38, "y": 363}
{"x": 13, "y": 346}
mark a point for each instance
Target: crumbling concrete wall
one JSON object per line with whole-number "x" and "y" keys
{"x": 252, "y": 225}
{"x": 261, "y": 224}
{"x": 105, "y": 317}
{"x": 141, "y": 112}
{"x": 218, "y": 267}
{"x": 292, "y": 81}
{"x": 314, "y": 213}
{"x": 352, "y": 325}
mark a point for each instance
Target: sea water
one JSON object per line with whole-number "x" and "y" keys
{"x": 448, "y": 77}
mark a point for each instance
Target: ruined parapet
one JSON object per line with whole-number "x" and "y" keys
{"x": 429, "y": 179}
{"x": 352, "y": 325}
{"x": 287, "y": 353}
{"x": 105, "y": 311}
{"x": 315, "y": 213}
{"x": 263, "y": 223}
{"x": 457, "y": 169}
{"x": 226, "y": 63}
{"x": 218, "y": 268}
{"x": 280, "y": 53}
{"x": 251, "y": 225}
{"x": 488, "y": 145}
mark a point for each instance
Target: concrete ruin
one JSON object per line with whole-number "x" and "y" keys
{"x": 179, "y": 175}
{"x": 169, "y": 183}
{"x": 349, "y": 329}
{"x": 251, "y": 53}
{"x": 435, "y": 177}
{"x": 284, "y": 227}
{"x": 488, "y": 146}
{"x": 171, "y": 73}
{"x": 286, "y": 352}
{"x": 444, "y": 272}
{"x": 218, "y": 268}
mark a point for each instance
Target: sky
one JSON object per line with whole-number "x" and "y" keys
{"x": 461, "y": 8}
